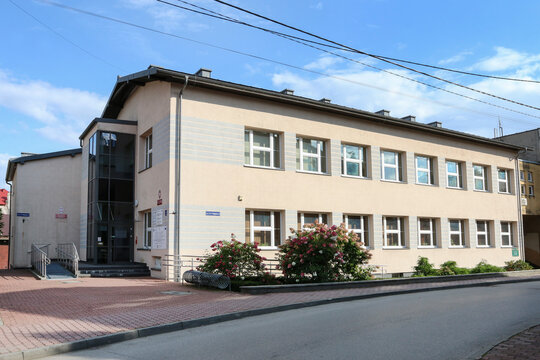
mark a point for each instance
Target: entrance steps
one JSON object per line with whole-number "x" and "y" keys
{"x": 113, "y": 270}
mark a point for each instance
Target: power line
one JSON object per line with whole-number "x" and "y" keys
{"x": 89, "y": 13}
{"x": 377, "y": 57}
{"x": 63, "y": 37}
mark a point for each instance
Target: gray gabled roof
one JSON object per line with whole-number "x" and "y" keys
{"x": 127, "y": 84}
{"x": 12, "y": 163}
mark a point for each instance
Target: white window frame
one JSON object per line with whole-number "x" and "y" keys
{"x": 318, "y": 155}
{"x": 486, "y": 233}
{"x": 396, "y": 166}
{"x": 521, "y": 175}
{"x": 271, "y": 228}
{"x": 360, "y": 162}
{"x": 430, "y": 232}
{"x": 319, "y": 218}
{"x": 457, "y": 174}
{"x": 531, "y": 190}
{"x": 363, "y": 229}
{"x": 428, "y": 170}
{"x": 529, "y": 176}
{"x": 147, "y": 230}
{"x": 482, "y": 177}
{"x": 401, "y": 240}
{"x": 270, "y": 149}
{"x": 506, "y": 181}
{"x": 460, "y": 232}
{"x": 523, "y": 190}
{"x": 148, "y": 146}
{"x": 508, "y": 233}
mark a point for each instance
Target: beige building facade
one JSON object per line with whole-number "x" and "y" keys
{"x": 210, "y": 158}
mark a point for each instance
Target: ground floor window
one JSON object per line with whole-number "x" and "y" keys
{"x": 147, "y": 230}
{"x": 359, "y": 225}
{"x": 305, "y": 219}
{"x": 426, "y": 233}
{"x": 263, "y": 227}
{"x": 394, "y": 232}
{"x": 457, "y": 233}
{"x": 482, "y": 233}
{"x": 506, "y": 233}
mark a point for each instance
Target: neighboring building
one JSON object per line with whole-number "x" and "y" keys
{"x": 178, "y": 161}
{"x": 529, "y": 180}
{"x": 4, "y": 230}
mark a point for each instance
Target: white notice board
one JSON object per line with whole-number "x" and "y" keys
{"x": 157, "y": 217}
{"x": 159, "y": 238}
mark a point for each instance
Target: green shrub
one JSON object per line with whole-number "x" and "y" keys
{"x": 451, "y": 268}
{"x": 321, "y": 253}
{"x": 424, "y": 268}
{"x": 517, "y": 265}
{"x": 484, "y": 267}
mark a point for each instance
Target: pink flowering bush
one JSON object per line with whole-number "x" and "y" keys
{"x": 234, "y": 259}
{"x": 321, "y": 253}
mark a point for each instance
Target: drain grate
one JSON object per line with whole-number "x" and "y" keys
{"x": 70, "y": 282}
{"x": 176, "y": 292}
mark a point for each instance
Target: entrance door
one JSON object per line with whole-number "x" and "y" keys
{"x": 120, "y": 242}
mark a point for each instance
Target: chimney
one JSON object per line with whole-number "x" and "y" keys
{"x": 383, "y": 112}
{"x": 409, "y": 118}
{"x": 202, "y": 72}
{"x": 325, "y": 100}
{"x": 435, "y": 124}
{"x": 287, "y": 92}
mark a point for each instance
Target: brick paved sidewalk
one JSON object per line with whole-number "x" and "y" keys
{"x": 525, "y": 345}
{"x": 36, "y": 314}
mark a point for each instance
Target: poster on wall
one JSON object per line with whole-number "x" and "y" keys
{"x": 159, "y": 238}
{"x": 157, "y": 217}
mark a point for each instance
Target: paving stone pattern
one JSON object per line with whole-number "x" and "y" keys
{"x": 523, "y": 346}
{"x": 36, "y": 313}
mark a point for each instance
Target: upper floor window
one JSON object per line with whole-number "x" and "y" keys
{"x": 148, "y": 151}
{"x": 394, "y": 232}
{"x": 424, "y": 170}
{"x": 391, "y": 165}
{"x": 359, "y": 225}
{"x": 453, "y": 174}
{"x": 305, "y": 219}
{"x": 531, "y": 190}
{"x": 353, "y": 160}
{"x": 502, "y": 178}
{"x": 523, "y": 192}
{"x": 457, "y": 233}
{"x": 263, "y": 227}
{"x": 261, "y": 149}
{"x": 310, "y": 155}
{"x": 506, "y": 233}
{"x": 530, "y": 176}
{"x": 521, "y": 175}
{"x": 482, "y": 233}
{"x": 426, "y": 233}
{"x": 147, "y": 230}
{"x": 480, "y": 177}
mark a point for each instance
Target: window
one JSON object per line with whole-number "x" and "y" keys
{"x": 506, "y": 233}
{"x": 480, "y": 178}
{"x": 263, "y": 227}
{"x": 394, "y": 232}
{"x": 482, "y": 233}
{"x": 147, "y": 244}
{"x": 148, "y": 152}
{"x": 310, "y": 155}
{"x": 391, "y": 166}
{"x": 359, "y": 225}
{"x": 261, "y": 149}
{"x": 426, "y": 233}
{"x": 502, "y": 178}
{"x": 521, "y": 175}
{"x": 457, "y": 233}
{"x": 353, "y": 160}
{"x": 453, "y": 174}
{"x": 523, "y": 192}
{"x": 530, "y": 176}
{"x": 531, "y": 190}
{"x": 424, "y": 170}
{"x": 310, "y": 218}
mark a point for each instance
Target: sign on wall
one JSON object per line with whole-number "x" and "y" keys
{"x": 515, "y": 252}
{"x": 159, "y": 238}
{"x": 213, "y": 213}
{"x": 23, "y": 214}
{"x": 157, "y": 217}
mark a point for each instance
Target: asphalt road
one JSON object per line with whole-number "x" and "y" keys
{"x": 449, "y": 324}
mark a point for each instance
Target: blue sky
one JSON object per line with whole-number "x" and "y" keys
{"x": 54, "y": 82}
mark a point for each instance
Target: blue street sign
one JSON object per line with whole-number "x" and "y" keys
{"x": 213, "y": 213}
{"x": 23, "y": 214}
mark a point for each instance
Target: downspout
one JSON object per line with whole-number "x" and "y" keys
{"x": 9, "y": 219}
{"x": 177, "y": 170}
{"x": 521, "y": 240}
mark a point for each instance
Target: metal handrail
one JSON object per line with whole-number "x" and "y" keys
{"x": 39, "y": 259}
{"x": 68, "y": 257}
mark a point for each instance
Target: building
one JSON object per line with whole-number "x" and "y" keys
{"x": 529, "y": 166}
{"x": 178, "y": 161}
{"x": 4, "y": 230}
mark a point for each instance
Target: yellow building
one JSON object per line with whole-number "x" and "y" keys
{"x": 529, "y": 173}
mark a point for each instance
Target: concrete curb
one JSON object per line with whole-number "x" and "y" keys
{"x": 189, "y": 324}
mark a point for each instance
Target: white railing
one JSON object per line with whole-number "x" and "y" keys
{"x": 68, "y": 257}
{"x": 40, "y": 259}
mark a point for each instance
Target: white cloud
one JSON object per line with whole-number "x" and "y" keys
{"x": 456, "y": 58}
{"x": 506, "y": 59}
{"x": 323, "y": 63}
{"x": 317, "y": 6}
{"x": 63, "y": 112}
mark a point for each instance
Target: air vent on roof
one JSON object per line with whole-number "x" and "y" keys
{"x": 204, "y": 73}
{"x": 27, "y": 154}
{"x": 436, "y": 124}
{"x": 287, "y": 92}
{"x": 409, "y": 118}
{"x": 383, "y": 112}
{"x": 325, "y": 100}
